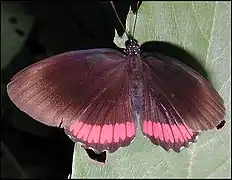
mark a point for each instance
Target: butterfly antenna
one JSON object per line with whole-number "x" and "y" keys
{"x": 136, "y": 16}
{"x": 112, "y": 4}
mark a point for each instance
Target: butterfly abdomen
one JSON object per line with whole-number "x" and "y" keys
{"x": 136, "y": 92}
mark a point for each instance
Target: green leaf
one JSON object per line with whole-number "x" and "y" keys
{"x": 203, "y": 29}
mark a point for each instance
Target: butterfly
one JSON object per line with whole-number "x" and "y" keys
{"x": 97, "y": 95}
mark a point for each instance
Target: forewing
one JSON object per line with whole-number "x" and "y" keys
{"x": 178, "y": 102}
{"x": 85, "y": 92}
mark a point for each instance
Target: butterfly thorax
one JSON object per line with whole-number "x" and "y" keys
{"x": 133, "y": 54}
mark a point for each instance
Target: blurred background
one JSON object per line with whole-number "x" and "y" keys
{"x": 31, "y": 32}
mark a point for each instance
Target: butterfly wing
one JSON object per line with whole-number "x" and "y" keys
{"x": 85, "y": 92}
{"x": 99, "y": 158}
{"x": 178, "y": 103}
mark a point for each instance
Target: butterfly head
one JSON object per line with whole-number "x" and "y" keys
{"x": 132, "y": 47}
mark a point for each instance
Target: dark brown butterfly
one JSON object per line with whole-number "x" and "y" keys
{"x": 96, "y": 95}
